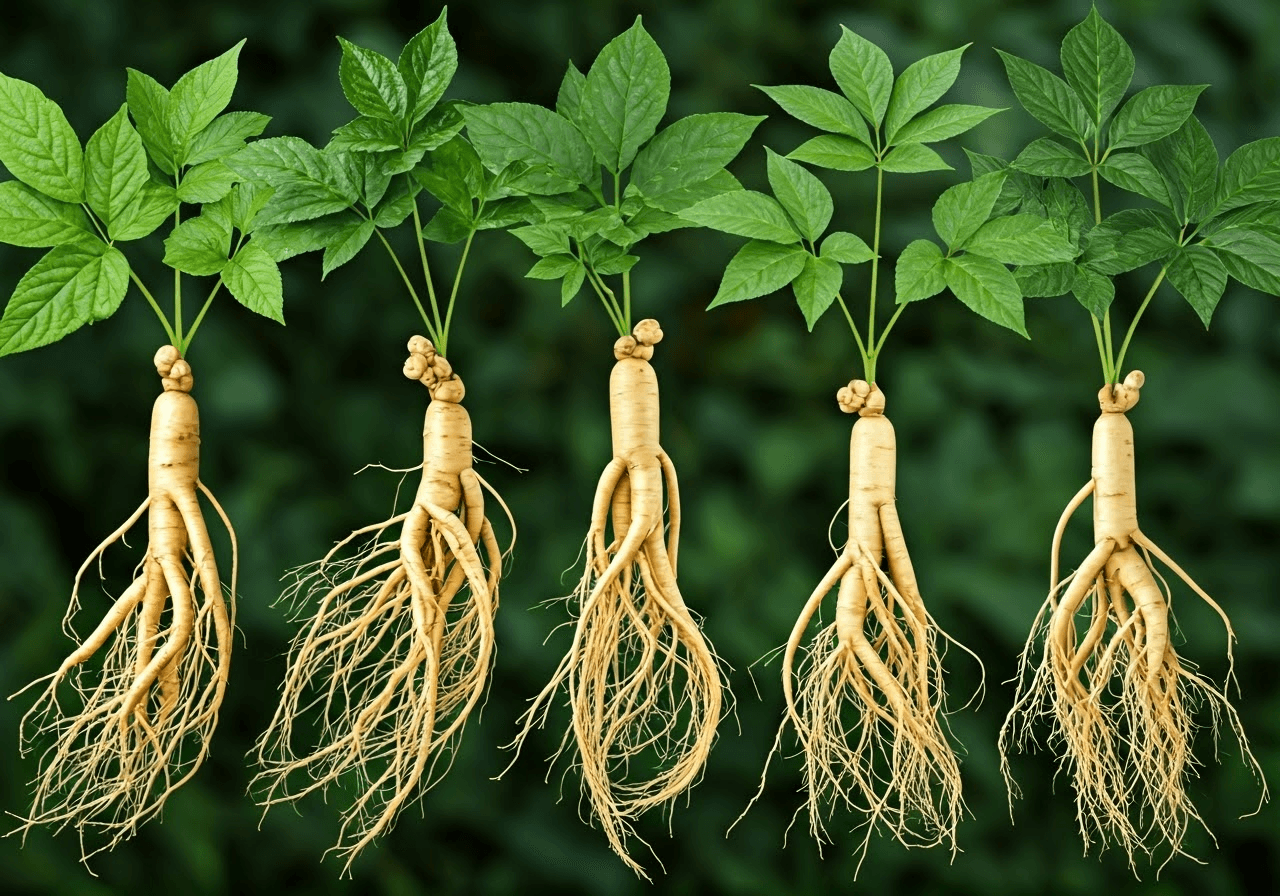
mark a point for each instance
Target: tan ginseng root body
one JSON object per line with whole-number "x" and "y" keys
{"x": 397, "y": 641}
{"x": 1118, "y": 697}
{"x": 149, "y": 680}
{"x": 865, "y": 694}
{"x": 643, "y": 686}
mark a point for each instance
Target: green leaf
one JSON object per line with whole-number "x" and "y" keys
{"x": 1047, "y": 98}
{"x": 448, "y": 226}
{"x": 198, "y": 97}
{"x": 920, "y": 85}
{"x": 284, "y": 241}
{"x": 624, "y": 97}
{"x": 71, "y": 286}
{"x": 846, "y": 248}
{"x": 1098, "y": 64}
{"x": 1046, "y": 157}
{"x": 1022, "y": 239}
{"x": 553, "y": 267}
{"x": 759, "y": 268}
{"x": 366, "y": 134}
{"x": 346, "y": 244}
{"x": 1135, "y": 173}
{"x": 569, "y": 97}
{"x": 678, "y": 200}
{"x": 607, "y": 259}
{"x": 543, "y": 239}
{"x": 1252, "y": 257}
{"x": 823, "y": 109}
{"x": 1129, "y": 240}
{"x": 115, "y": 167}
{"x": 962, "y": 209}
{"x": 864, "y": 74}
{"x": 744, "y": 213}
{"x": 37, "y": 143}
{"x": 207, "y": 182}
{"x": 988, "y": 288}
{"x": 244, "y": 202}
{"x": 919, "y": 272}
{"x": 509, "y": 132}
{"x": 253, "y": 279}
{"x": 1262, "y": 216}
{"x": 1188, "y": 162}
{"x": 307, "y": 182}
{"x": 150, "y": 208}
{"x": 30, "y": 218}
{"x": 199, "y": 246}
{"x": 1200, "y": 276}
{"x": 690, "y": 151}
{"x": 372, "y": 84}
{"x": 838, "y": 153}
{"x": 571, "y": 285}
{"x": 1094, "y": 290}
{"x": 1152, "y": 114}
{"x": 397, "y": 204}
{"x": 427, "y": 65}
{"x": 913, "y": 158}
{"x": 1045, "y": 280}
{"x": 804, "y": 198}
{"x": 225, "y": 134}
{"x": 943, "y": 123}
{"x": 148, "y": 103}
{"x": 1250, "y": 174}
{"x": 980, "y": 164}
{"x": 816, "y": 287}
{"x": 1066, "y": 206}
{"x": 453, "y": 174}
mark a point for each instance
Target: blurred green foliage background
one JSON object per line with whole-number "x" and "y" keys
{"x": 993, "y": 440}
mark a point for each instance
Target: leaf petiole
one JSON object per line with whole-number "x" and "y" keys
{"x": 1124, "y": 346}
{"x": 155, "y": 306}
{"x": 413, "y": 293}
{"x": 426, "y": 274}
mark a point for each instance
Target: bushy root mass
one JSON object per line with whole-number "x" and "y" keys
{"x": 643, "y": 686}
{"x": 147, "y": 683}
{"x": 396, "y": 643}
{"x": 865, "y": 693}
{"x": 1101, "y": 668}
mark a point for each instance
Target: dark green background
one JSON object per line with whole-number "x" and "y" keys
{"x": 993, "y": 439}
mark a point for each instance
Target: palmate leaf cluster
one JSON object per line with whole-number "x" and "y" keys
{"x": 162, "y": 150}
{"x": 599, "y": 175}
{"x": 886, "y": 124}
{"x": 368, "y": 178}
{"x": 1200, "y": 221}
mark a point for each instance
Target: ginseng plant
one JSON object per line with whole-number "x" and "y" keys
{"x": 864, "y": 686}
{"x": 643, "y": 686}
{"x": 127, "y": 717}
{"x": 396, "y": 640}
{"x": 1100, "y": 665}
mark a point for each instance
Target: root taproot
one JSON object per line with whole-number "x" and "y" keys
{"x": 148, "y": 681}
{"x": 645, "y": 690}
{"x": 396, "y": 643}
{"x": 1118, "y": 697}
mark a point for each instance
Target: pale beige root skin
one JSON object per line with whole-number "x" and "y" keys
{"x": 148, "y": 682}
{"x": 396, "y": 645}
{"x": 1100, "y": 665}
{"x": 643, "y": 686}
{"x": 865, "y": 694}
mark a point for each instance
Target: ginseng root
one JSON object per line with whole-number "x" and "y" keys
{"x": 1118, "y": 697}
{"x": 865, "y": 694}
{"x": 143, "y": 715}
{"x": 642, "y": 684}
{"x": 397, "y": 642}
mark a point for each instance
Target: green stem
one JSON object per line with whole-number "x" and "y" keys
{"x": 426, "y": 272}
{"x": 1101, "y": 332}
{"x": 177, "y": 289}
{"x": 1103, "y": 354}
{"x": 884, "y": 334}
{"x": 626, "y": 299}
{"x": 1124, "y": 346}
{"x": 607, "y": 299}
{"x": 875, "y": 273}
{"x": 857, "y": 337}
{"x": 191, "y": 334}
{"x": 97, "y": 225}
{"x": 155, "y": 306}
{"x": 413, "y": 293}
{"x": 453, "y": 294}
